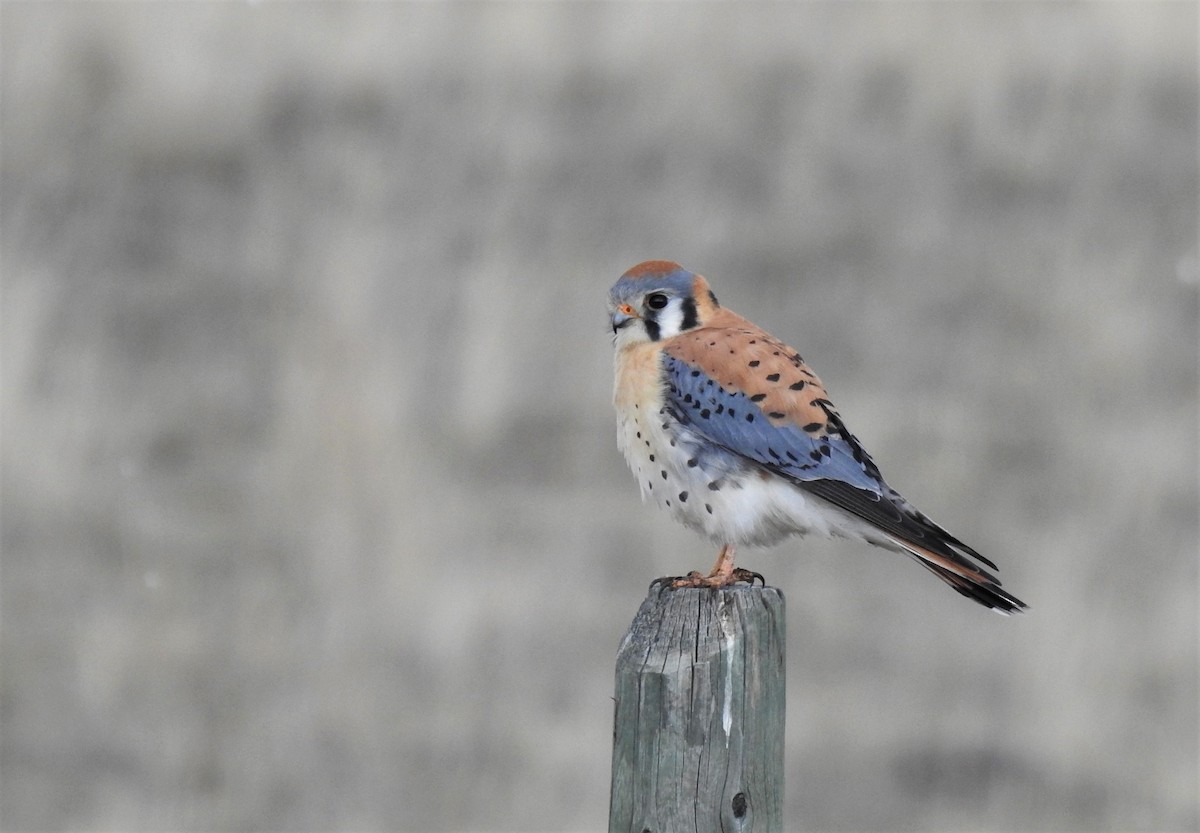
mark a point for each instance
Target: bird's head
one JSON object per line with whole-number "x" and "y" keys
{"x": 656, "y": 300}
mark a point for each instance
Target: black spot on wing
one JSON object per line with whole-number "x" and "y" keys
{"x": 838, "y": 429}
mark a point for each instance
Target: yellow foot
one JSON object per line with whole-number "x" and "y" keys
{"x": 698, "y": 579}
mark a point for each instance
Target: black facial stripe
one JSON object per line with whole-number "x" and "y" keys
{"x": 712, "y": 297}
{"x": 653, "y": 331}
{"x": 690, "y": 318}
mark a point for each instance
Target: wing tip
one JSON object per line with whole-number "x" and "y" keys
{"x": 984, "y": 590}
{"x": 976, "y": 584}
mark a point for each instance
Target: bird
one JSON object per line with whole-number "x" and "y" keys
{"x": 728, "y": 429}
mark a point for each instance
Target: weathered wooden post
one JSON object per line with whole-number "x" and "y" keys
{"x": 698, "y": 734}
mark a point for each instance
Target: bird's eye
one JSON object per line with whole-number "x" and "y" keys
{"x": 656, "y": 301}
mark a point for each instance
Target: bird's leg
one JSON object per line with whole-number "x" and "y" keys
{"x": 723, "y": 574}
{"x": 722, "y": 571}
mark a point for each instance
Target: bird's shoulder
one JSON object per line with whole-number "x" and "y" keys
{"x": 742, "y": 358}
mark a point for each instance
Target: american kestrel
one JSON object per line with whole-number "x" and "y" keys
{"x": 728, "y": 429}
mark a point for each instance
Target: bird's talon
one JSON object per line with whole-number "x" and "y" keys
{"x": 697, "y": 579}
{"x": 693, "y": 579}
{"x": 671, "y": 582}
{"x": 748, "y": 576}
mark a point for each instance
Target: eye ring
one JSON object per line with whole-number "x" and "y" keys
{"x": 657, "y": 300}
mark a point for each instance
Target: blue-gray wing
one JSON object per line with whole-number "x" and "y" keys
{"x": 805, "y": 441}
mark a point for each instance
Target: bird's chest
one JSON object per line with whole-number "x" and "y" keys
{"x": 674, "y": 466}
{"x": 646, "y": 433}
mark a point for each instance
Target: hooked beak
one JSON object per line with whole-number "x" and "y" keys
{"x": 622, "y": 315}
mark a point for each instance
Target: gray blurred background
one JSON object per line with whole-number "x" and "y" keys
{"x": 313, "y": 517}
